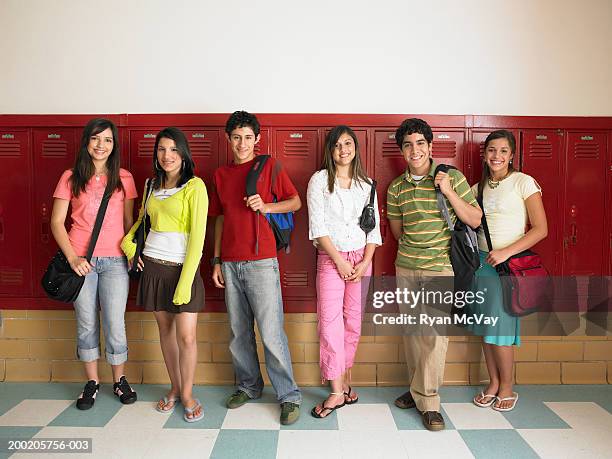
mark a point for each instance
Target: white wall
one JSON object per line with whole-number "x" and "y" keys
{"x": 515, "y": 57}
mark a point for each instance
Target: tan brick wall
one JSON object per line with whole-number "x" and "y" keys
{"x": 41, "y": 346}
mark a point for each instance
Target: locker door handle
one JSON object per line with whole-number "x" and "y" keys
{"x": 574, "y": 234}
{"x": 44, "y": 231}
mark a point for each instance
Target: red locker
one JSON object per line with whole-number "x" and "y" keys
{"x": 15, "y": 214}
{"x": 54, "y": 151}
{"x": 542, "y": 156}
{"x": 473, "y": 160}
{"x": 448, "y": 148}
{"x": 297, "y": 150}
{"x": 584, "y": 207}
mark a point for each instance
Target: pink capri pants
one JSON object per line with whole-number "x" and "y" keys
{"x": 339, "y": 312}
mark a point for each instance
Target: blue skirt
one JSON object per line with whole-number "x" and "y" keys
{"x": 506, "y": 330}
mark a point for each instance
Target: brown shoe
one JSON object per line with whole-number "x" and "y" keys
{"x": 432, "y": 420}
{"x": 405, "y": 401}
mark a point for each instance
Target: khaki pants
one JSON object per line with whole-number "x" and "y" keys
{"x": 425, "y": 355}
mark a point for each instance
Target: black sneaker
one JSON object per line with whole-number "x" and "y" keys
{"x": 88, "y": 397}
{"x": 123, "y": 390}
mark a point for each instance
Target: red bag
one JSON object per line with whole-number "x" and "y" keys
{"x": 525, "y": 283}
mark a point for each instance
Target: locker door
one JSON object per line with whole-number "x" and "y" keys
{"x": 297, "y": 151}
{"x": 584, "y": 209}
{"x": 205, "y": 148}
{"x": 448, "y": 148}
{"x": 15, "y": 214}
{"x": 388, "y": 164}
{"x": 541, "y": 158}
{"x": 54, "y": 152}
{"x": 142, "y": 142}
{"x": 473, "y": 160}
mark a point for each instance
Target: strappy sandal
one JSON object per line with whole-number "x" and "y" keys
{"x": 483, "y": 396}
{"x": 514, "y": 399}
{"x": 314, "y": 413}
{"x": 347, "y": 397}
{"x": 166, "y": 401}
{"x": 192, "y": 410}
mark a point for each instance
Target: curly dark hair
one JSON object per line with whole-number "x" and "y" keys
{"x": 240, "y": 119}
{"x": 413, "y": 126}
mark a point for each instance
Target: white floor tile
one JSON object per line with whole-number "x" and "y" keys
{"x": 182, "y": 443}
{"x": 566, "y": 443}
{"x": 309, "y": 444}
{"x": 140, "y": 415}
{"x": 257, "y": 416}
{"x": 470, "y": 416}
{"x": 34, "y": 412}
{"x": 363, "y": 416}
{"x": 372, "y": 444}
{"x": 443, "y": 444}
{"x": 583, "y": 415}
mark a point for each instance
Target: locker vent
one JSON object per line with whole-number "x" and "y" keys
{"x": 586, "y": 150}
{"x": 540, "y": 150}
{"x": 201, "y": 147}
{"x": 390, "y": 149}
{"x": 145, "y": 148}
{"x": 10, "y": 276}
{"x": 444, "y": 149}
{"x": 295, "y": 278}
{"x": 54, "y": 149}
{"x": 10, "y": 149}
{"x": 295, "y": 147}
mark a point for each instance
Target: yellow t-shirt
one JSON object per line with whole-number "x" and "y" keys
{"x": 505, "y": 209}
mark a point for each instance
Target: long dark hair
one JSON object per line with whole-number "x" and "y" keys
{"x": 84, "y": 168}
{"x": 486, "y": 172}
{"x": 187, "y": 166}
{"x": 328, "y": 164}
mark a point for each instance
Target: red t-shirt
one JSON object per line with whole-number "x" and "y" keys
{"x": 85, "y": 210}
{"x": 239, "y": 221}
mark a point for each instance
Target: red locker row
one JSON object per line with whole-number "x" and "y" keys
{"x": 571, "y": 158}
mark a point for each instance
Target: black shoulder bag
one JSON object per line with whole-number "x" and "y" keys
{"x": 367, "y": 221}
{"x": 60, "y": 282}
{"x": 140, "y": 235}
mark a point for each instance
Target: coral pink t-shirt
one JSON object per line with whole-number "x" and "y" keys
{"x": 85, "y": 209}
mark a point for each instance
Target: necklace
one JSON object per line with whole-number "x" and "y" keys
{"x": 495, "y": 183}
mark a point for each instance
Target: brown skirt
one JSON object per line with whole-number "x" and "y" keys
{"x": 157, "y": 285}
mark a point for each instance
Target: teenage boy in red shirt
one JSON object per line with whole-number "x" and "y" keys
{"x": 245, "y": 265}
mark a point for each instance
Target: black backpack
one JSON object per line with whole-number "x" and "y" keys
{"x": 464, "y": 245}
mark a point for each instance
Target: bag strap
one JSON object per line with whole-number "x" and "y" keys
{"x": 483, "y": 222}
{"x": 251, "y": 188}
{"x": 440, "y": 197}
{"x": 372, "y": 192}
{"x": 148, "y": 193}
{"x": 99, "y": 220}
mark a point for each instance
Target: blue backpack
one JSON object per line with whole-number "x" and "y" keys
{"x": 282, "y": 224}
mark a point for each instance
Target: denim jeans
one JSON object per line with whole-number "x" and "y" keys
{"x": 253, "y": 292}
{"x": 106, "y": 287}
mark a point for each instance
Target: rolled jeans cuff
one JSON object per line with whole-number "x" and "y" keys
{"x": 88, "y": 355}
{"x": 116, "y": 359}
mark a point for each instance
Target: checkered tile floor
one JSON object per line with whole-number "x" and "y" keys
{"x": 549, "y": 422}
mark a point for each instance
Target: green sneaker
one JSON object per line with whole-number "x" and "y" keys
{"x": 237, "y": 399}
{"x": 290, "y": 412}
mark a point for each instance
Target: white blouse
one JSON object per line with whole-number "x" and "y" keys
{"x": 337, "y": 214}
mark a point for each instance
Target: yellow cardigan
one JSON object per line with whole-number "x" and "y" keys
{"x": 185, "y": 212}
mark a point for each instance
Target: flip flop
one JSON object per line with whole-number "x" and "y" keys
{"x": 331, "y": 409}
{"x": 514, "y": 399}
{"x": 191, "y": 411}
{"x": 348, "y": 394}
{"x": 483, "y": 396}
{"x": 167, "y": 400}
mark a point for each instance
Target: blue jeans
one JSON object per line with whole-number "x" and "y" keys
{"x": 106, "y": 286}
{"x": 253, "y": 292}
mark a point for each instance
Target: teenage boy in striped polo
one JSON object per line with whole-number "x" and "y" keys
{"x": 423, "y": 254}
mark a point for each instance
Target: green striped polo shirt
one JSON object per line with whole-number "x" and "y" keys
{"x": 425, "y": 239}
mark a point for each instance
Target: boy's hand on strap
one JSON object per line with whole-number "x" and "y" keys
{"x": 256, "y": 203}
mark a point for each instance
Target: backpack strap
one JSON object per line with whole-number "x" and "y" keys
{"x": 251, "y": 189}
{"x": 483, "y": 222}
{"x": 440, "y": 197}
